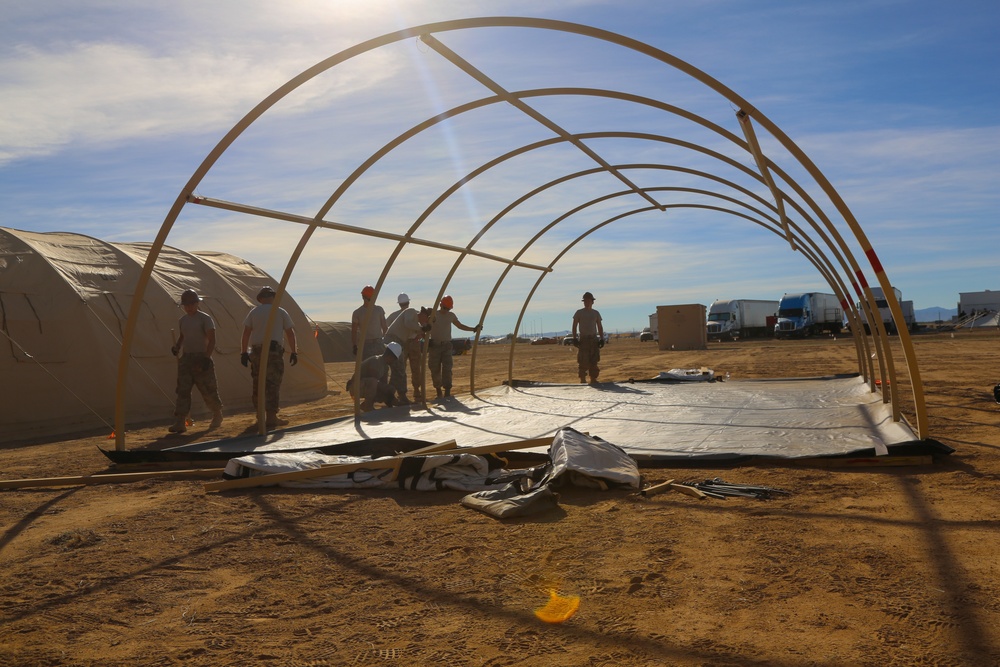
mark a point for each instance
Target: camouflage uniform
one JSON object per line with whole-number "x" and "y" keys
{"x": 195, "y": 369}
{"x": 272, "y": 379}
{"x": 439, "y": 347}
{"x": 588, "y": 355}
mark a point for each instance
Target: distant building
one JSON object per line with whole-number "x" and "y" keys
{"x": 978, "y": 302}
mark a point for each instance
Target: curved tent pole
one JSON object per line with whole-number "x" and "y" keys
{"x": 864, "y": 359}
{"x": 848, "y": 307}
{"x": 588, "y": 232}
{"x": 425, "y": 33}
{"x": 827, "y": 272}
{"x": 523, "y": 149}
{"x": 909, "y": 354}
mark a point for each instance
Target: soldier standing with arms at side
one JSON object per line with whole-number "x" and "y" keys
{"x": 194, "y": 367}
{"x": 376, "y": 326}
{"x": 439, "y": 347}
{"x": 412, "y": 349}
{"x": 253, "y": 339}
{"x": 591, "y": 339}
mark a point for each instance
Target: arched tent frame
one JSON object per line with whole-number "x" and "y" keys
{"x": 788, "y": 200}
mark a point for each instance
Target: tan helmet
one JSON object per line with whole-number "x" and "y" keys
{"x": 367, "y": 292}
{"x": 189, "y": 296}
{"x": 447, "y": 302}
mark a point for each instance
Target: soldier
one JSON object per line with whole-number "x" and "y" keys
{"x": 194, "y": 367}
{"x": 407, "y": 324}
{"x": 591, "y": 339}
{"x": 439, "y": 347}
{"x": 253, "y": 340}
{"x": 375, "y": 387}
{"x": 376, "y": 326}
{"x": 412, "y": 349}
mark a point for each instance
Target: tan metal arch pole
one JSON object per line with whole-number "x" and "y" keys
{"x": 529, "y": 111}
{"x": 848, "y": 307}
{"x": 861, "y": 344}
{"x": 567, "y": 91}
{"x": 444, "y": 26}
{"x": 828, "y": 272}
{"x": 866, "y": 299}
{"x": 588, "y": 232}
{"x": 732, "y": 96}
{"x": 906, "y": 343}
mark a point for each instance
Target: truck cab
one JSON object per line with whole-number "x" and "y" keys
{"x": 723, "y": 321}
{"x": 807, "y": 314}
{"x": 794, "y": 316}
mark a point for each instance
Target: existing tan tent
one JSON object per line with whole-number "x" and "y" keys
{"x": 334, "y": 341}
{"x": 64, "y": 299}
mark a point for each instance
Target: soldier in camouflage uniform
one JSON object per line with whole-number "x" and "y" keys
{"x": 590, "y": 340}
{"x": 194, "y": 367}
{"x": 253, "y": 339}
{"x": 439, "y": 350}
{"x": 413, "y": 348}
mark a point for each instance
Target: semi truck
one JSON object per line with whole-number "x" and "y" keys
{"x": 909, "y": 318}
{"x": 741, "y": 318}
{"x": 808, "y": 313}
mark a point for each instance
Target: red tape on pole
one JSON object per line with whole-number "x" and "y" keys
{"x": 873, "y": 258}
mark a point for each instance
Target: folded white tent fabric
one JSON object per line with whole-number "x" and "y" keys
{"x": 687, "y": 375}
{"x": 589, "y": 461}
{"x": 460, "y": 472}
{"x": 575, "y": 458}
{"x": 578, "y": 460}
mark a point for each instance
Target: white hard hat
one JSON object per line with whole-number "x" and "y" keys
{"x": 403, "y": 298}
{"x": 395, "y": 348}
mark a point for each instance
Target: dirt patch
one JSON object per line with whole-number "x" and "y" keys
{"x": 878, "y": 566}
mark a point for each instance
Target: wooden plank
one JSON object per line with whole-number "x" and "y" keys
{"x": 114, "y": 478}
{"x": 429, "y": 449}
{"x": 437, "y": 447}
{"x": 688, "y": 491}
{"x": 377, "y": 464}
{"x": 657, "y": 489}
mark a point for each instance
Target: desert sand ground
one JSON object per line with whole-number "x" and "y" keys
{"x": 859, "y": 566}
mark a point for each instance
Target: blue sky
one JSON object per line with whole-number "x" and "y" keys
{"x": 109, "y": 107}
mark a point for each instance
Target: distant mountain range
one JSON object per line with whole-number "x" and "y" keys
{"x": 935, "y": 313}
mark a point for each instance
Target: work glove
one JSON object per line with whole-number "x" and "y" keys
{"x": 600, "y": 343}
{"x": 479, "y": 327}
{"x": 354, "y": 350}
{"x": 293, "y": 358}
{"x": 576, "y": 342}
{"x": 206, "y": 365}
{"x": 245, "y": 358}
{"x": 174, "y": 350}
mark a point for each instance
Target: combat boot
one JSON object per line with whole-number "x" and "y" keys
{"x": 178, "y": 426}
{"x": 216, "y": 419}
{"x": 274, "y": 420}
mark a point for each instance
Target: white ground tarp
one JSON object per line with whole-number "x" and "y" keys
{"x": 788, "y": 418}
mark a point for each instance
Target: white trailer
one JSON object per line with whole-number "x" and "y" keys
{"x": 886, "y": 315}
{"x": 741, "y": 318}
